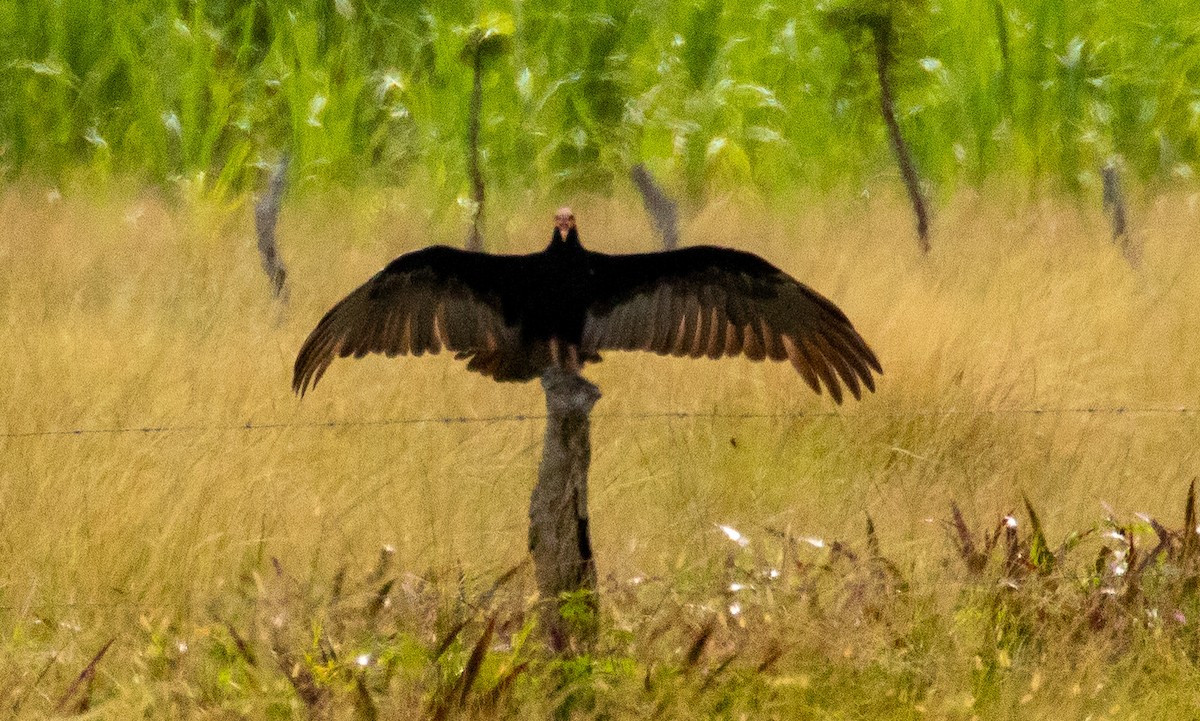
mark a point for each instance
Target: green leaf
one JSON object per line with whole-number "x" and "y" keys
{"x": 1040, "y": 554}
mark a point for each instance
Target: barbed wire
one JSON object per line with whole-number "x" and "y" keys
{"x": 649, "y": 415}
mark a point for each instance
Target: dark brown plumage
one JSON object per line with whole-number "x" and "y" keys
{"x": 514, "y": 316}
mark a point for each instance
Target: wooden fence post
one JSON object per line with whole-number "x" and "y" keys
{"x": 1114, "y": 206}
{"x": 266, "y": 215}
{"x": 559, "y": 538}
{"x": 662, "y": 210}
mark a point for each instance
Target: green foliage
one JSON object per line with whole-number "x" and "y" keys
{"x": 712, "y": 95}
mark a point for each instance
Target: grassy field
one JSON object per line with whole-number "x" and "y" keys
{"x": 125, "y": 311}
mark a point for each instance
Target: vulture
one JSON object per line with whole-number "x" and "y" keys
{"x": 514, "y": 316}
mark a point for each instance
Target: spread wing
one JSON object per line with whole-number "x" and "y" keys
{"x": 422, "y": 302}
{"x": 714, "y": 302}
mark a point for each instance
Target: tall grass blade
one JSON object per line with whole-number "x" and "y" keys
{"x": 1040, "y": 555}
{"x": 1190, "y": 542}
{"x": 84, "y": 681}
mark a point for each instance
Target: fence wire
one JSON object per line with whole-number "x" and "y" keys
{"x": 1179, "y": 411}
{"x": 1169, "y": 412}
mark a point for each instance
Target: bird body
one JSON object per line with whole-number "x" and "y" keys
{"x": 514, "y": 316}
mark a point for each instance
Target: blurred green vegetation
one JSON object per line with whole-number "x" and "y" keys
{"x": 712, "y": 95}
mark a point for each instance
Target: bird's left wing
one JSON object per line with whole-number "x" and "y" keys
{"x": 434, "y": 298}
{"x": 714, "y": 302}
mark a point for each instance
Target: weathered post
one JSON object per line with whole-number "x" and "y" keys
{"x": 1114, "y": 206}
{"x": 559, "y": 538}
{"x": 266, "y": 215}
{"x": 662, "y": 210}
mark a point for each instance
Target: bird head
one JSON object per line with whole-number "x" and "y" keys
{"x": 564, "y": 220}
{"x": 564, "y": 227}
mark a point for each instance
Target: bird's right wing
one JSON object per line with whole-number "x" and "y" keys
{"x": 714, "y": 302}
{"x": 422, "y": 302}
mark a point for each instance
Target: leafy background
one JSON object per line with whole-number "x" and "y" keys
{"x": 713, "y": 95}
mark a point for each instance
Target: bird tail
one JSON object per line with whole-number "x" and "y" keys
{"x": 506, "y": 366}
{"x": 521, "y": 365}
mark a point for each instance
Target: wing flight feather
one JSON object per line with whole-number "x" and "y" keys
{"x": 432, "y": 299}
{"x": 707, "y": 301}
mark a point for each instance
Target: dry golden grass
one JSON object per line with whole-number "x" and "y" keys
{"x": 126, "y": 312}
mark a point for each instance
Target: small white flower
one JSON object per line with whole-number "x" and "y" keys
{"x": 735, "y": 609}
{"x": 734, "y": 535}
{"x": 1010, "y": 522}
{"x": 363, "y": 660}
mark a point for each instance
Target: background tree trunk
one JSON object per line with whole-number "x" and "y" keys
{"x": 662, "y": 210}
{"x": 883, "y": 56}
{"x": 559, "y": 538}
{"x": 1114, "y": 206}
{"x": 475, "y": 236}
{"x": 266, "y": 215}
